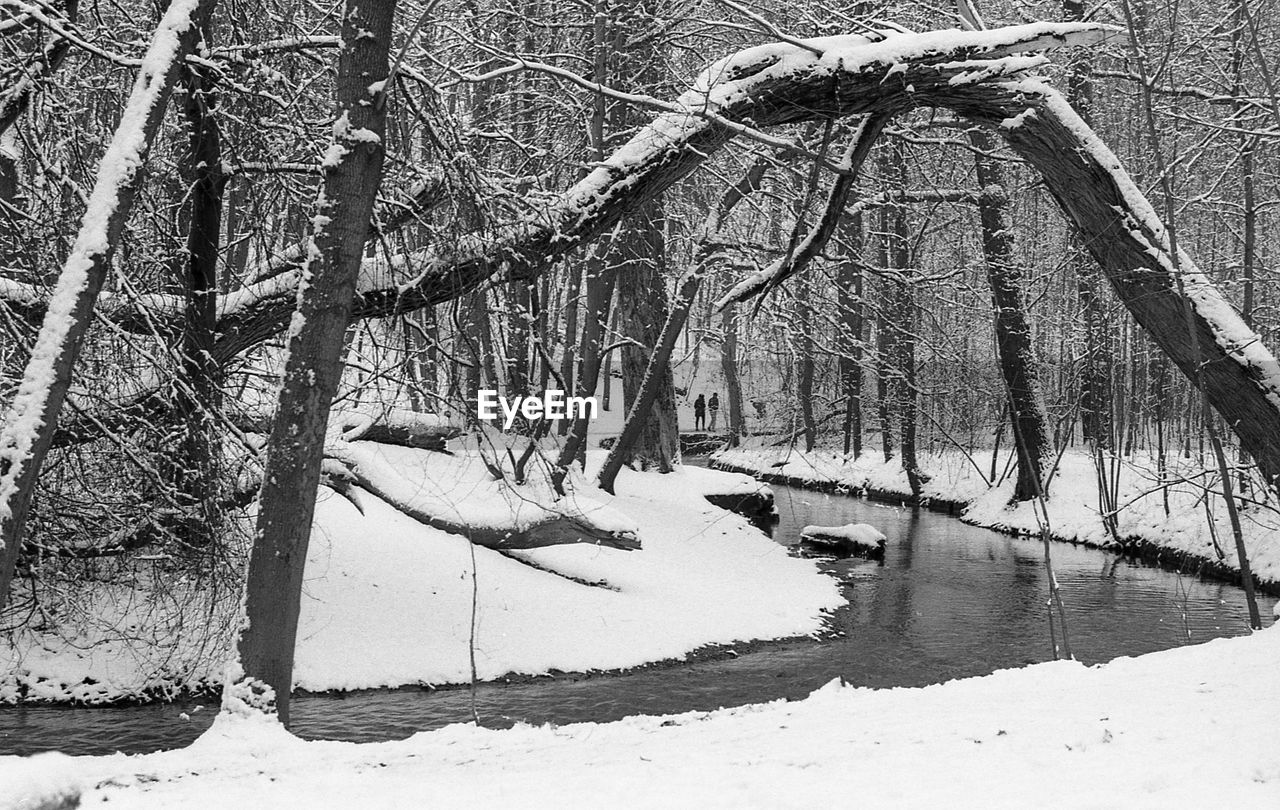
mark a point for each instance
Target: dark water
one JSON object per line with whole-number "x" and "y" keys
{"x": 949, "y": 600}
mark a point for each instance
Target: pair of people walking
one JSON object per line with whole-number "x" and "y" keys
{"x": 700, "y": 407}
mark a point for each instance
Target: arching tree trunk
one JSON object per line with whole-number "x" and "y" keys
{"x": 783, "y": 84}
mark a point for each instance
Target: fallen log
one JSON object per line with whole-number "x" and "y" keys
{"x": 493, "y": 514}
{"x": 397, "y": 426}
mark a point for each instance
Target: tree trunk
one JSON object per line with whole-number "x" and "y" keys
{"x": 573, "y": 288}
{"x": 599, "y": 284}
{"x": 200, "y": 397}
{"x": 804, "y": 361}
{"x": 849, "y": 300}
{"x": 658, "y": 371}
{"x": 1096, "y": 363}
{"x": 642, "y": 310}
{"x": 901, "y": 319}
{"x": 656, "y": 382}
{"x": 1012, "y": 329}
{"x": 729, "y": 369}
{"x": 352, "y": 172}
{"x": 33, "y": 416}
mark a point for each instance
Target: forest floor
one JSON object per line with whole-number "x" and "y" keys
{"x": 387, "y": 601}
{"x": 1189, "y": 727}
{"x": 1195, "y": 527}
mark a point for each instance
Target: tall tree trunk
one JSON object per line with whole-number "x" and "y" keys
{"x": 519, "y": 334}
{"x": 1096, "y": 363}
{"x": 1012, "y": 328}
{"x": 886, "y": 348}
{"x": 901, "y": 316}
{"x": 804, "y": 362}
{"x": 729, "y": 370}
{"x": 200, "y": 397}
{"x": 638, "y": 61}
{"x": 599, "y": 292}
{"x": 33, "y": 416}
{"x": 655, "y": 383}
{"x": 642, "y": 310}
{"x": 352, "y": 172}
{"x": 849, "y": 283}
{"x": 573, "y": 289}
{"x": 658, "y": 371}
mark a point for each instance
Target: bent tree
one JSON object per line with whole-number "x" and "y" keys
{"x": 981, "y": 75}
{"x": 295, "y": 451}
{"x": 30, "y": 425}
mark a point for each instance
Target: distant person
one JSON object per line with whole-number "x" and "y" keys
{"x": 758, "y": 404}
{"x": 714, "y": 406}
{"x": 700, "y": 413}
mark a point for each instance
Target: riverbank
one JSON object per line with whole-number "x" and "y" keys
{"x": 1187, "y": 538}
{"x": 1183, "y": 728}
{"x": 387, "y": 601}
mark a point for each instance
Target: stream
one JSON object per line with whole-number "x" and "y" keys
{"x": 948, "y": 601}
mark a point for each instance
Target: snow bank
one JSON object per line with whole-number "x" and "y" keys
{"x": 42, "y": 782}
{"x": 1074, "y": 513}
{"x": 1161, "y": 730}
{"x": 387, "y": 600}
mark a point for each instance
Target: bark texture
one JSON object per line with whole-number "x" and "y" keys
{"x": 642, "y": 311}
{"x": 353, "y": 169}
{"x": 1012, "y": 329}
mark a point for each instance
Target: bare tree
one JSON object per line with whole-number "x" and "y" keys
{"x": 352, "y": 173}
{"x": 33, "y": 419}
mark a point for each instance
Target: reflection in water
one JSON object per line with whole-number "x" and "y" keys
{"x": 948, "y": 601}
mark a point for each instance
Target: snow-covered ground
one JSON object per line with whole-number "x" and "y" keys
{"x": 1190, "y": 727}
{"x": 387, "y": 600}
{"x": 1074, "y": 513}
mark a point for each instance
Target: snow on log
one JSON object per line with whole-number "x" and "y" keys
{"x": 446, "y": 493}
{"x": 854, "y": 539}
{"x": 398, "y": 426}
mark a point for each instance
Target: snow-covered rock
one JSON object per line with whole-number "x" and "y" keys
{"x": 861, "y": 539}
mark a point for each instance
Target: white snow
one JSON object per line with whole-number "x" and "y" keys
{"x": 387, "y": 601}
{"x": 1190, "y": 727}
{"x": 40, "y": 782}
{"x": 858, "y": 534}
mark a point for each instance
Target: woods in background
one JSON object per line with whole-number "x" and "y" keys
{"x": 873, "y": 257}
